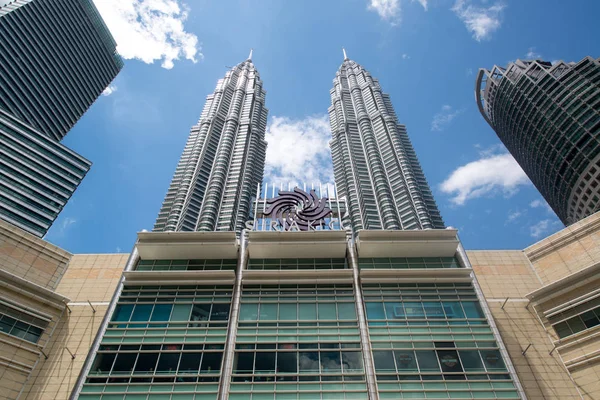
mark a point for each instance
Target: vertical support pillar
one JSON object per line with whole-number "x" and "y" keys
{"x": 234, "y": 316}
{"x": 488, "y": 315}
{"x": 362, "y": 325}
{"x": 87, "y": 364}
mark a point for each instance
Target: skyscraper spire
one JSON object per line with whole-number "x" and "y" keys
{"x": 250, "y": 55}
{"x": 374, "y": 163}
{"x": 223, "y": 160}
{"x": 345, "y": 56}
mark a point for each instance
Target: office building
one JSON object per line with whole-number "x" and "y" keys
{"x": 7, "y": 6}
{"x": 548, "y": 117}
{"x": 56, "y": 58}
{"x": 223, "y": 160}
{"x": 37, "y": 175}
{"x": 375, "y": 166}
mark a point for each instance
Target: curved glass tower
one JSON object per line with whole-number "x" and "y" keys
{"x": 374, "y": 163}
{"x": 548, "y": 116}
{"x": 223, "y": 160}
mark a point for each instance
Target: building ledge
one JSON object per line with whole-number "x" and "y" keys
{"x": 567, "y": 284}
{"x": 297, "y": 276}
{"x": 32, "y": 291}
{"x": 416, "y": 275}
{"x": 179, "y": 277}
{"x": 186, "y": 245}
{"x": 409, "y": 243}
{"x": 312, "y": 244}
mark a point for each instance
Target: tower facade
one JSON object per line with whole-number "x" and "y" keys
{"x": 223, "y": 160}
{"x": 374, "y": 163}
{"x": 548, "y": 117}
{"x": 56, "y": 58}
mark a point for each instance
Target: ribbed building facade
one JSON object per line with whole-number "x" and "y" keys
{"x": 375, "y": 165}
{"x": 223, "y": 160}
{"x": 37, "y": 176}
{"x": 548, "y": 117}
{"x": 56, "y": 58}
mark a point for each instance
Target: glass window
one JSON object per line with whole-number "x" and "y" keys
{"x": 330, "y": 361}
{"x": 375, "y": 310}
{"x": 428, "y": 360}
{"x": 433, "y": 309}
{"x": 244, "y": 363}
{"x": 287, "y": 362}
{"x": 249, "y": 312}
{"x": 190, "y": 362}
{"x": 384, "y": 361}
{"x": 394, "y": 310}
{"x": 265, "y": 362}
{"x": 308, "y": 361}
{"x": 268, "y": 311}
{"x": 414, "y": 310}
{"x": 219, "y": 312}
{"x": 200, "y": 313}
{"x": 471, "y": 360}
{"x": 146, "y": 363}
{"x": 142, "y": 312}
{"x": 167, "y": 363}
{"x": 161, "y": 312}
{"x": 124, "y": 362}
{"x": 449, "y": 361}
{"x": 307, "y": 311}
{"x": 405, "y": 360}
{"x": 493, "y": 360}
{"x": 122, "y": 312}
{"x": 287, "y": 311}
{"x": 103, "y": 362}
{"x": 211, "y": 362}
{"x": 346, "y": 311}
{"x": 327, "y": 311}
{"x": 453, "y": 310}
{"x": 472, "y": 309}
{"x": 181, "y": 312}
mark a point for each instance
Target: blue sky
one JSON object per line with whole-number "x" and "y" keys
{"x": 425, "y": 54}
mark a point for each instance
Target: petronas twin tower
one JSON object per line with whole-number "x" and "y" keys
{"x": 375, "y": 166}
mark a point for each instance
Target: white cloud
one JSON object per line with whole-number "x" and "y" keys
{"x": 110, "y": 89}
{"x": 118, "y": 249}
{"x": 490, "y": 175}
{"x": 532, "y": 54}
{"x": 543, "y": 227}
{"x": 405, "y": 57}
{"x": 541, "y": 204}
{"x": 514, "y": 216}
{"x": 298, "y": 150}
{"x": 150, "y": 30}
{"x": 481, "y": 21}
{"x": 444, "y": 117}
{"x": 390, "y": 10}
{"x": 469, "y": 71}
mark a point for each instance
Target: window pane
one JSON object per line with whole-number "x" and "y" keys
{"x": 590, "y": 319}
{"x": 471, "y": 360}
{"x": 414, "y": 310}
{"x": 146, "y": 362}
{"x": 244, "y": 363}
{"x": 265, "y": 362}
{"x": 308, "y": 362}
{"x": 472, "y": 309}
{"x": 346, "y": 311}
{"x": 576, "y": 324}
{"x": 249, "y": 312}
{"x": 375, "y": 311}
{"x": 219, "y": 312}
{"x": 384, "y": 361}
{"x": 161, "y": 312}
{"x": 287, "y": 362}
{"x": 307, "y": 311}
{"x": 211, "y": 362}
{"x": 190, "y": 362}
{"x": 181, "y": 312}
{"x": 122, "y": 312}
{"x": 331, "y": 361}
{"x": 405, "y": 361}
{"x": 428, "y": 360}
{"x": 453, "y": 309}
{"x": 327, "y": 311}
{"x": 167, "y": 362}
{"x": 268, "y": 311}
{"x": 352, "y": 361}
{"x": 394, "y": 310}
{"x": 433, "y": 309}
{"x": 200, "y": 313}
{"x": 124, "y": 362}
{"x": 103, "y": 362}
{"x": 287, "y": 312}
{"x": 493, "y": 360}
{"x": 449, "y": 361}
{"x": 562, "y": 329}
{"x": 142, "y": 312}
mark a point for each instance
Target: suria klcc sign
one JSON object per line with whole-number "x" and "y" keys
{"x": 296, "y": 210}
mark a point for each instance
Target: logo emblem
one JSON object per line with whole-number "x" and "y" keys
{"x": 298, "y": 209}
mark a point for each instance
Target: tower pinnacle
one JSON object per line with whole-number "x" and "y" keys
{"x": 250, "y": 55}
{"x": 345, "y": 56}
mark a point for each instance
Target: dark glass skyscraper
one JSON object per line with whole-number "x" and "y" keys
{"x": 223, "y": 160}
{"x": 374, "y": 163}
{"x": 56, "y": 58}
{"x": 548, "y": 116}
